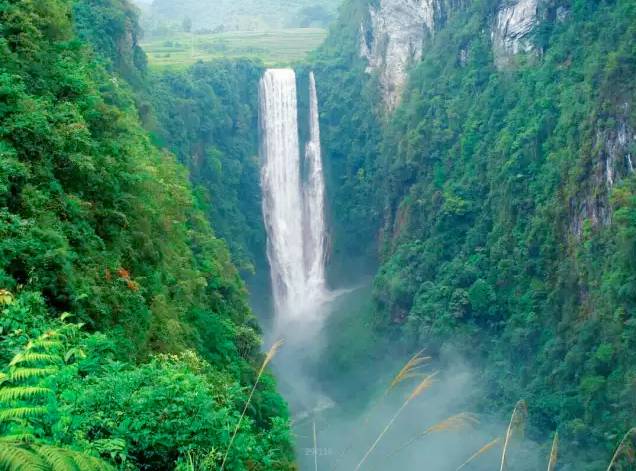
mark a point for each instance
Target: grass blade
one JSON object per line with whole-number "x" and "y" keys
{"x": 478, "y": 453}
{"x": 624, "y": 448}
{"x": 517, "y": 421}
{"x": 268, "y": 358}
{"x": 315, "y": 449}
{"x": 554, "y": 452}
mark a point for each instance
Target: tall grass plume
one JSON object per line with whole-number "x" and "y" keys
{"x": 554, "y": 452}
{"x": 424, "y": 385}
{"x": 455, "y": 422}
{"x": 516, "y": 425}
{"x": 478, "y": 453}
{"x": 269, "y": 356}
{"x": 409, "y": 370}
{"x": 625, "y": 450}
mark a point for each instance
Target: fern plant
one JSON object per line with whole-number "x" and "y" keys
{"x": 41, "y": 457}
{"x": 22, "y": 398}
{"x": 21, "y": 391}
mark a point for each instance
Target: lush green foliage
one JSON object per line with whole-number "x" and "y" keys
{"x": 208, "y": 116}
{"x": 27, "y": 412}
{"x": 502, "y": 235}
{"x": 97, "y": 221}
{"x": 66, "y": 397}
{"x": 112, "y": 28}
{"x": 350, "y": 132}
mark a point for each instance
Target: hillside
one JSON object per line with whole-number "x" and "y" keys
{"x": 126, "y": 335}
{"x": 244, "y": 15}
{"x": 484, "y": 149}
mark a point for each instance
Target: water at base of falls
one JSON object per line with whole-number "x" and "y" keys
{"x": 293, "y": 206}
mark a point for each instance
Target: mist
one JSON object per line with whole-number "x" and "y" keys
{"x": 372, "y": 406}
{"x": 348, "y": 411}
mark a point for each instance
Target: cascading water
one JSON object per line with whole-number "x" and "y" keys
{"x": 293, "y": 207}
{"x": 315, "y": 231}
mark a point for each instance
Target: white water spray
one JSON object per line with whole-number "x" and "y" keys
{"x": 293, "y": 207}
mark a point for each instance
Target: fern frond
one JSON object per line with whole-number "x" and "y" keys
{"x": 33, "y": 357}
{"x": 17, "y": 458}
{"x": 16, "y": 413}
{"x": 21, "y": 393}
{"x": 62, "y": 459}
{"x": 18, "y": 438}
{"x": 22, "y": 374}
{"x": 90, "y": 463}
{"x": 57, "y": 459}
{"x": 45, "y": 344}
{"x": 74, "y": 353}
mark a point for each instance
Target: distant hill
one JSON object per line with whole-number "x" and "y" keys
{"x": 231, "y": 15}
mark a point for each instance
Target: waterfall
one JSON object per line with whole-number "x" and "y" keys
{"x": 315, "y": 233}
{"x": 280, "y": 180}
{"x": 293, "y": 206}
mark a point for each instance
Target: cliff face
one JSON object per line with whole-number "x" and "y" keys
{"x": 511, "y": 31}
{"x": 394, "y": 36}
{"x": 610, "y": 161}
{"x": 392, "y": 40}
{"x": 112, "y": 29}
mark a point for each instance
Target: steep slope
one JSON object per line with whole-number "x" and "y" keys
{"x": 506, "y": 194}
{"x": 98, "y": 222}
{"x": 208, "y": 117}
{"x": 112, "y": 28}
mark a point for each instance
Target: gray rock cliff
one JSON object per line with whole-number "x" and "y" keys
{"x": 512, "y": 29}
{"x": 392, "y": 40}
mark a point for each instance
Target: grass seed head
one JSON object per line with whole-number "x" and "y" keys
{"x": 478, "y": 453}
{"x": 425, "y": 384}
{"x": 455, "y": 422}
{"x": 409, "y": 370}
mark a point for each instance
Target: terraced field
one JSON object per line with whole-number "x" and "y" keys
{"x": 274, "y": 48}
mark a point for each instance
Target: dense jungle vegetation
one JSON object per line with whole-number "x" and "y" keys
{"x": 130, "y": 216}
{"x": 208, "y": 116}
{"x": 126, "y": 337}
{"x": 500, "y": 235}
